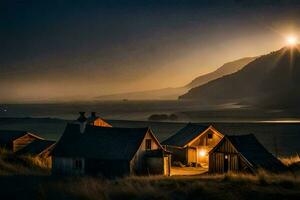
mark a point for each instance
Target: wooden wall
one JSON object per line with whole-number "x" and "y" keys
{"x": 191, "y": 155}
{"x": 61, "y": 165}
{"x": 158, "y": 165}
{"x": 107, "y": 168}
{"x": 204, "y": 141}
{"x": 167, "y": 165}
{"x": 154, "y": 165}
{"x": 22, "y": 142}
{"x": 137, "y": 164}
{"x": 234, "y": 161}
{"x": 96, "y": 167}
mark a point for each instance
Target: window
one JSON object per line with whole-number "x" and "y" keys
{"x": 148, "y": 144}
{"x": 209, "y": 136}
{"x": 77, "y": 164}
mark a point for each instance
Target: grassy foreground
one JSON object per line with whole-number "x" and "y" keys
{"x": 10, "y": 164}
{"x": 231, "y": 186}
{"x": 28, "y": 178}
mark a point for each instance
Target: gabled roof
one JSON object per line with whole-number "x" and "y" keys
{"x": 36, "y": 147}
{"x": 93, "y": 119}
{"x": 185, "y": 135}
{"x": 255, "y": 153}
{"x": 98, "y": 142}
{"x": 7, "y": 136}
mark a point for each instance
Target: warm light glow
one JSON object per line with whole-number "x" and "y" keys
{"x": 202, "y": 153}
{"x": 292, "y": 40}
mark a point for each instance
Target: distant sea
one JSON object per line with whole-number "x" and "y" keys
{"x": 278, "y": 131}
{"x": 141, "y": 110}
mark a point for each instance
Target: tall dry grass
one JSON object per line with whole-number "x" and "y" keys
{"x": 12, "y": 164}
{"x": 231, "y": 186}
{"x": 288, "y": 161}
{"x": 218, "y": 187}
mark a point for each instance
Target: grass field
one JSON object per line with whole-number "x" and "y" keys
{"x": 29, "y": 178}
{"x": 230, "y": 186}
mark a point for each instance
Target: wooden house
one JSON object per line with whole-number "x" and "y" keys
{"x": 16, "y": 140}
{"x": 242, "y": 153}
{"x": 109, "y": 152}
{"x": 41, "y": 148}
{"x": 191, "y": 144}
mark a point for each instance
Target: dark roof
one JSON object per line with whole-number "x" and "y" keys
{"x": 255, "y": 153}
{"x": 81, "y": 117}
{"x": 92, "y": 119}
{"x": 185, "y": 135}
{"x": 7, "y": 136}
{"x": 100, "y": 142}
{"x": 36, "y": 147}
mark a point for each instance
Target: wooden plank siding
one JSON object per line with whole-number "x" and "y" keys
{"x": 137, "y": 163}
{"x": 141, "y": 165}
{"x": 191, "y": 155}
{"x": 217, "y": 157}
{"x": 23, "y": 141}
{"x": 202, "y": 142}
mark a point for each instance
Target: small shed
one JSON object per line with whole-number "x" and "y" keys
{"x": 191, "y": 144}
{"x": 15, "y": 140}
{"x": 109, "y": 151}
{"x": 40, "y": 148}
{"x": 242, "y": 153}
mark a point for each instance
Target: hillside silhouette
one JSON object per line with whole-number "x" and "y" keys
{"x": 227, "y": 68}
{"x": 271, "y": 80}
{"x": 173, "y": 93}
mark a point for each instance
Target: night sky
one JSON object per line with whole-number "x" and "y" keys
{"x": 61, "y": 50}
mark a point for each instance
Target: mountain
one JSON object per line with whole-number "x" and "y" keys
{"x": 227, "y": 68}
{"x": 270, "y": 80}
{"x": 159, "y": 94}
{"x": 173, "y": 93}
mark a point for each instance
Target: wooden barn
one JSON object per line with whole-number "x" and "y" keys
{"x": 191, "y": 144}
{"x": 40, "y": 148}
{"x": 109, "y": 152}
{"x": 242, "y": 153}
{"x": 16, "y": 140}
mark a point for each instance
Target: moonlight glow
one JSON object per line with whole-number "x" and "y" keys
{"x": 292, "y": 40}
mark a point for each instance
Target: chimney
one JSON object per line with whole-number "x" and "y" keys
{"x": 82, "y": 121}
{"x": 81, "y": 117}
{"x": 93, "y": 114}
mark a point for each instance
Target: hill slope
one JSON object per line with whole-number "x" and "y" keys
{"x": 173, "y": 93}
{"x": 270, "y": 80}
{"x": 227, "y": 68}
{"x": 159, "y": 94}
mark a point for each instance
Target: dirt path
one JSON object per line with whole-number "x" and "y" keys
{"x": 187, "y": 171}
